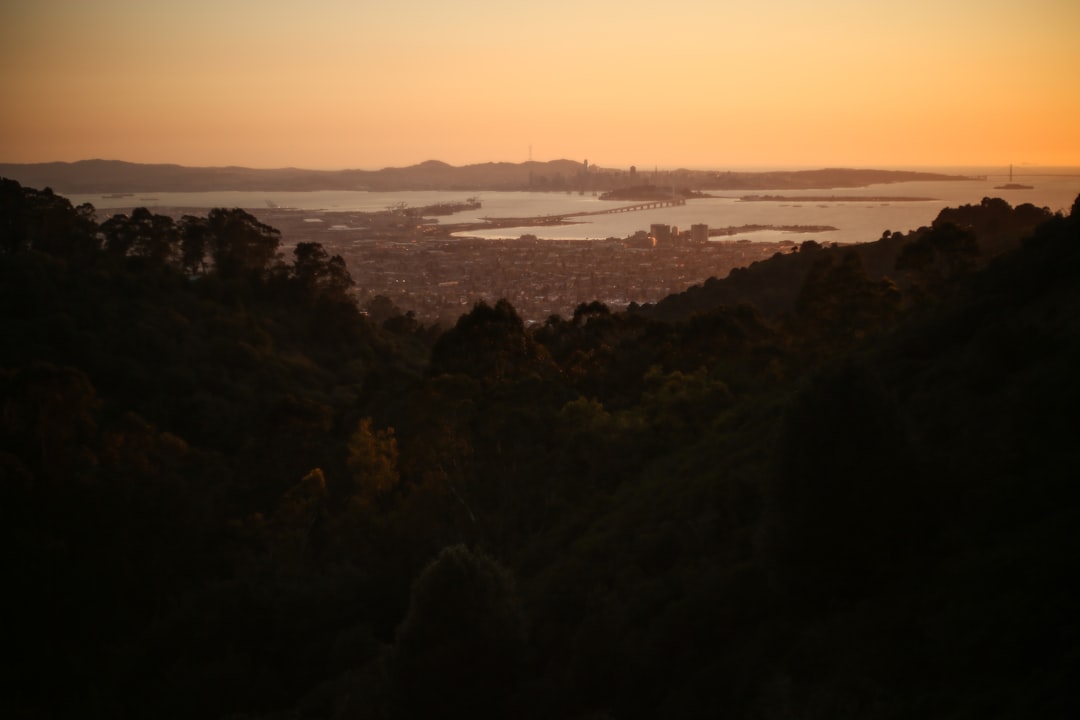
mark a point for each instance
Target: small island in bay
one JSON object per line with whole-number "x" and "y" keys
{"x": 738, "y": 229}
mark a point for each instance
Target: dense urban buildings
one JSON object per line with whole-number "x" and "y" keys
{"x": 421, "y": 269}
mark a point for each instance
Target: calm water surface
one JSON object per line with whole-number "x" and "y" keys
{"x": 856, "y": 221}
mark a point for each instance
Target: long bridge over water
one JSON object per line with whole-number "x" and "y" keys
{"x": 554, "y": 219}
{"x": 651, "y": 205}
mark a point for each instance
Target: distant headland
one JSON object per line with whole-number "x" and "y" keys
{"x": 111, "y": 177}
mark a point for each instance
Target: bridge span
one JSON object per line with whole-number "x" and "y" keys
{"x": 562, "y": 218}
{"x": 651, "y": 205}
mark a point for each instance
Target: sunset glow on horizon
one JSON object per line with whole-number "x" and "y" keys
{"x": 333, "y": 84}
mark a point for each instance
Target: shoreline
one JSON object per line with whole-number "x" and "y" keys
{"x": 834, "y": 198}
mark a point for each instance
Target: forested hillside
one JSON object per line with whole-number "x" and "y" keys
{"x": 837, "y": 484}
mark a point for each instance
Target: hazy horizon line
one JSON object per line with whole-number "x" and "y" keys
{"x": 703, "y": 167}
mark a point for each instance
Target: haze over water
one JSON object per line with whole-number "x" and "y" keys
{"x": 855, "y": 221}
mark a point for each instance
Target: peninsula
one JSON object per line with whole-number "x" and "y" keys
{"x": 111, "y": 177}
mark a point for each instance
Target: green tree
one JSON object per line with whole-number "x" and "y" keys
{"x": 680, "y": 405}
{"x": 373, "y": 457}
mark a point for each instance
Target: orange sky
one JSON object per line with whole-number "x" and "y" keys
{"x": 699, "y": 83}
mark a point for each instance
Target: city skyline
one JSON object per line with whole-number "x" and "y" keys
{"x": 336, "y": 85}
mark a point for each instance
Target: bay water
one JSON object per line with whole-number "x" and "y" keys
{"x": 856, "y": 220}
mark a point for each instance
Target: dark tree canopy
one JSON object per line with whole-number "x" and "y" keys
{"x": 239, "y": 244}
{"x": 488, "y": 342}
{"x": 320, "y": 275}
{"x": 460, "y": 649}
{"x": 804, "y": 490}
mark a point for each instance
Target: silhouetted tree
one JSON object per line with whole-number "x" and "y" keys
{"x": 44, "y": 221}
{"x": 292, "y": 529}
{"x": 585, "y": 311}
{"x": 240, "y": 244}
{"x": 321, "y": 276}
{"x": 937, "y": 257}
{"x": 12, "y": 219}
{"x": 844, "y": 503}
{"x": 119, "y": 235}
{"x": 997, "y": 225}
{"x": 142, "y": 234}
{"x": 459, "y": 652}
{"x": 489, "y": 342}
{"x": 838, "y": 303}
{"x": 194, "y": 243}
{"x": 49, "y": 420}
{"x": 381, "y": 308}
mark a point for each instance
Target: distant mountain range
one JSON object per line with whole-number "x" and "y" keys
{"x": 111, "y": 176}
{"x": 114, "y": 176}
